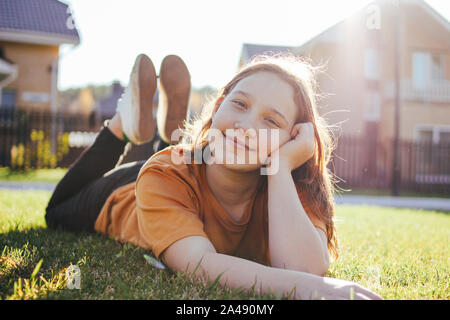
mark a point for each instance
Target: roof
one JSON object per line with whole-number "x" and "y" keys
{"x": 251, "y": 50}
{"x": 37, "y": 21}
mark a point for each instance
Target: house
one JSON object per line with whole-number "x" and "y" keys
{"x": 106, "y": 107}
{"x": 83, "y": 104}
{"x": 31, "y": 33}
{"x": 361, "y": 62}
{"x": 362, "y": 56}
{"x": 359, "y": 54}
{"x": 367, "y": 55}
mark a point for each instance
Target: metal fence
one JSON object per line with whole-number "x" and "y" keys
{"x": 38, "y": 139}
{"x": 361, "y": 163}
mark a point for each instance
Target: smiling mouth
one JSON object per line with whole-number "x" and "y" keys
{"x": 238, "y": 143}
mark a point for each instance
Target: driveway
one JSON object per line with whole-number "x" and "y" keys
{"x": 440, "y": 204}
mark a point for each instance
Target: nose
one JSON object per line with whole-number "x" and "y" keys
{"x": 245, "y": 128}
{"x": 246, "y": 122}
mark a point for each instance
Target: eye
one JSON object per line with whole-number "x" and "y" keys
{"x": 273, "y": 122}
{"x": 240, "y": 104}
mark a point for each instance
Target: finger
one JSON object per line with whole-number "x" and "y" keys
{"x": 373, "y": 296}
{"x": 295, "y": 130}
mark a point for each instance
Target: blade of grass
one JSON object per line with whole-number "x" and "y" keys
{"x": 36, "y": 269}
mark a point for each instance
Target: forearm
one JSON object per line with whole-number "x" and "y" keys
{"x": 196, "y": 255}
{"x": 236, "y": 272}
{"x": 294, "y": 242}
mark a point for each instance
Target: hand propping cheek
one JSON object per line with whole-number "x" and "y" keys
{"x": 300, "y": 148}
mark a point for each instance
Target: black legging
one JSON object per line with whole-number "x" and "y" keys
{"x": 80, "y": 195}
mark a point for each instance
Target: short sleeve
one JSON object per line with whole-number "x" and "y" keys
{"x": 166, "y": 208}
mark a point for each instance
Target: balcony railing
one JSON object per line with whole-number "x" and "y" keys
{"x": 436, "y": 91}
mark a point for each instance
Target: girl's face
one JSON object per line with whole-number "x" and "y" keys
{"x": 259, "y": 108}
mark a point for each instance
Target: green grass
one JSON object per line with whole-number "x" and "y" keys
{"x": 399, "y": 253}
{"x": 35, "y": 175}
{"x": 109, "y": 270}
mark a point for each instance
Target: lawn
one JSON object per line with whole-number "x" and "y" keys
{"x": 399, "y": 253}
{"x": 35, "y": 175}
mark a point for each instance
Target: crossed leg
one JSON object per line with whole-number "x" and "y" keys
{"x": 80, "y": 195}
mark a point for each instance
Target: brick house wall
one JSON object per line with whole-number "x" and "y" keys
{"x": 33, "y": 85}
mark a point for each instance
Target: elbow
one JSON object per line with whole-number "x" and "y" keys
{"x": 320, "y": 269}
{"x": 317, "y": 263}
{"x": 324, "y": 268}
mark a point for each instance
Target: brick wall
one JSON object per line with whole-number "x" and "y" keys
{"x": 34, "y": 72}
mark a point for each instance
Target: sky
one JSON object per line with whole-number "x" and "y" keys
{"x": 207, "y": 34}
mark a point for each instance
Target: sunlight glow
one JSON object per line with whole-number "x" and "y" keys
{"x": 208, "y": 35}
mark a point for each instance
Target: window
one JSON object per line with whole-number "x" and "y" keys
{"x": 7, "y": 98}
{"x": 420, "y": 72}
{"x": 371, "y": 64}
{"x": 437, "y": 67}
{"x": 438, "y": 134}
{"x": 425, "y": 135}
{"x": 427, "y": 67}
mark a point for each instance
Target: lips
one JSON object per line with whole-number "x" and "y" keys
{"x": 238, "y": 143}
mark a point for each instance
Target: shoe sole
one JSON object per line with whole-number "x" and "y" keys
{"x": 175, "y": 88}
{"x": 144, "y": 93}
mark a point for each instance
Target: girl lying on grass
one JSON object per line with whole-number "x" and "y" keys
{"x": 255, "y": 209}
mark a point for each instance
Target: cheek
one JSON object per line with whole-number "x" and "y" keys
{"x": 270, "y": 140}
{"x": 222, "y": 120}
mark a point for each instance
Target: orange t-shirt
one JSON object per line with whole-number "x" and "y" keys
{"x": 169, "y": 202}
